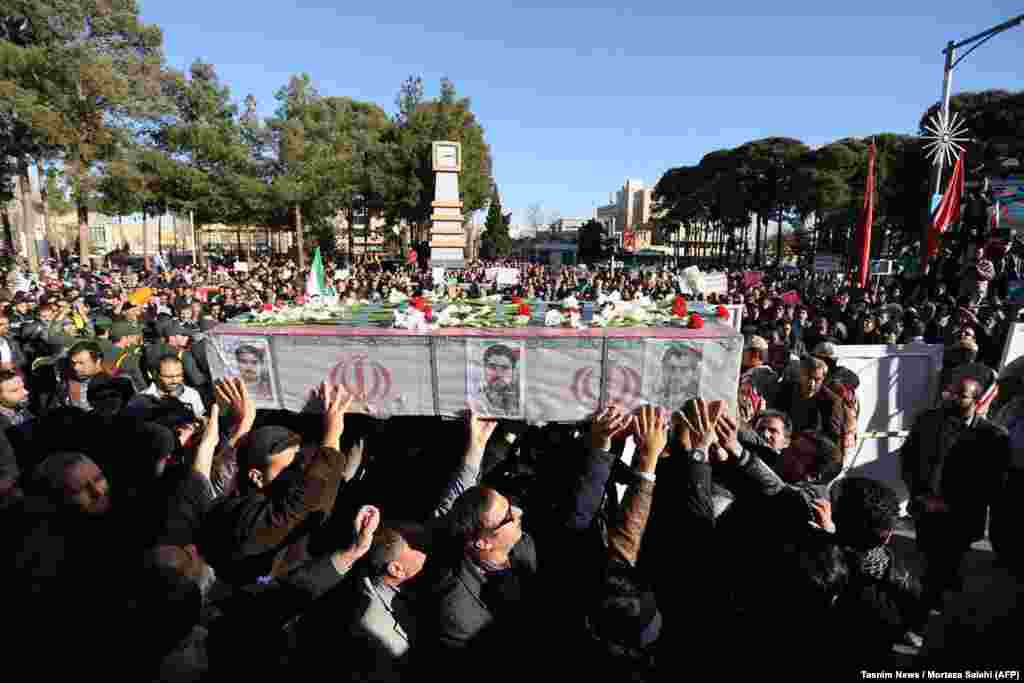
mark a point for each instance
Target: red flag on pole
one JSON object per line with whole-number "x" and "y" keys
{"x": 948, "y": 212}
{"x": 867, "y": 218}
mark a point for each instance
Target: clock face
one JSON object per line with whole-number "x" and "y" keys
{"x": 447, "y": 157}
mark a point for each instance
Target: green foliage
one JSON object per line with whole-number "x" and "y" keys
{"x": 83, "y": 77}
{"x": 495, "y": 242}
{"x": 419, "y": 123}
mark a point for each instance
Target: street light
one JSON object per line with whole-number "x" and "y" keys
{"x": 947, "y": 82}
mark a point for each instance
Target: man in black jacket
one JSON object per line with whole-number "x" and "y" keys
{"x": 953, "y": 463}
{"x": 264, "y": 532}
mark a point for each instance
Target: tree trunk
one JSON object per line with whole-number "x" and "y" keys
{"x": 197, "y": 251}
{"x": 146, "y": 243}
{"x": 299, "y": 242}
{"x": 5, "y": 219}
{"x": 83, "y": 232}
{"x": 51, "y": 238}
{"x": 757, "y": 240}
{"x": 28, "y": 215}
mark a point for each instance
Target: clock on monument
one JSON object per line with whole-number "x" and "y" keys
{"x": 447, "y": 156}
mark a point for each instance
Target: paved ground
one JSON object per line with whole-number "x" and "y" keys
{"x": 980, "y": 582}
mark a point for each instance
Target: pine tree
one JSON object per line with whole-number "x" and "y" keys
{"x": 495, "y": 242}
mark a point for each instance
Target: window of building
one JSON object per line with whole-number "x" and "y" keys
{"x": 98, "y": 235}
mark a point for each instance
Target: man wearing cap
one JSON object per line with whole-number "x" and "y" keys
{"x": 126, "y": 338}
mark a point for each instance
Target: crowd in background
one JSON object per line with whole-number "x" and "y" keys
{"x": 158, "y": 525}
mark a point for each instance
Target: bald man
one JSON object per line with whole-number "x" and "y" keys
{"x": 953, "y": 464}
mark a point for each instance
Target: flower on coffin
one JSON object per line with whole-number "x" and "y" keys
{"x": 696, "y": 322}
{"x": 553, "y": 319}
{"x": 570, "y": 304}
{"x": 613, "y": 297}
{"x": 521, "y": 320}
{"x": 524, "y": 309}
{"x": 517, "y": 300}
{"x": 575, "y": 319}
{"x": 428, "y": 313}
{"x": 267, "y": 308}
{"x": 396, "y": 297}
{"x": 679, "y": 308}
{"x": 300, "y": 301}
{"x": 636, "y": 313}
{"x": 418, "y": 302}
{"x": 723, "y": 312}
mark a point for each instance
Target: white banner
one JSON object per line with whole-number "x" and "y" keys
{"x": 716, "y": 283}
{"x": 508, "y": 276}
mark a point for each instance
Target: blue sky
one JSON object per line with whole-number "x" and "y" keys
{"x": 577, "y": 98}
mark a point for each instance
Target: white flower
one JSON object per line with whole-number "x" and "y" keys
{"x": 553, "y": 319}
{"x": 644, "y": 300}
{"x": 575, "y": 319}
{"x": 613, "y": 297}
{"x": 570, "y": 302}
{"x": 521, "y": 320}
{"x": 636, "y": 314}
{"x": 396, "y": 297}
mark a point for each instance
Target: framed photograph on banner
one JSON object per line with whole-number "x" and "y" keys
{"x": 495, "y": 377}
{"x": 249, "y": 358}
{"x": 672, "y": 372}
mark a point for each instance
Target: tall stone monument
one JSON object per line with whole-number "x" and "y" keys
{"x": 447, "y": 236}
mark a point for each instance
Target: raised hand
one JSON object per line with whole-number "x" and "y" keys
{"x": 203, "y": 461}
{"x": 607, "y": 425}
{"x": 479, "y": 431}
{"x": 698, "y": 421}
{"x": 336, "y": 403}
{"x": 233, "y": 397}
{"x": 365, "y": 526}
{"x": 728, "y": 438}
{"x": 823, "y": 515}
{"x": 651, "y": 431}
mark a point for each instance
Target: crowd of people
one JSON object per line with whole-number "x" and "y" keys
{"x": 158, "y": 525}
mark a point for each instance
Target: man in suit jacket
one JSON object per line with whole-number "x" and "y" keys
{"x": 953, "y": 464}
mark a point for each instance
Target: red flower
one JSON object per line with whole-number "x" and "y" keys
{"x": 300, "y": 300}
{"x": 696, "y": 322}
{"x": 419, "y": 303}
{"x": 517, "y": 300}
{"x": 679, "y": 307}
{"x": 524, "y": 309}
{"x": 723, "y": 312}
{"x": 268, "y": 307}
{"x": 428, "y": 312}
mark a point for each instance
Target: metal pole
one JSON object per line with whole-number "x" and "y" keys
{"x": 935, "y": 183}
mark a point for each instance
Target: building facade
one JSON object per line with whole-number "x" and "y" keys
{"x": 629, "y": 207}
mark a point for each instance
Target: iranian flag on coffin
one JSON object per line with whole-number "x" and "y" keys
{"x": 385, "y": 379}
